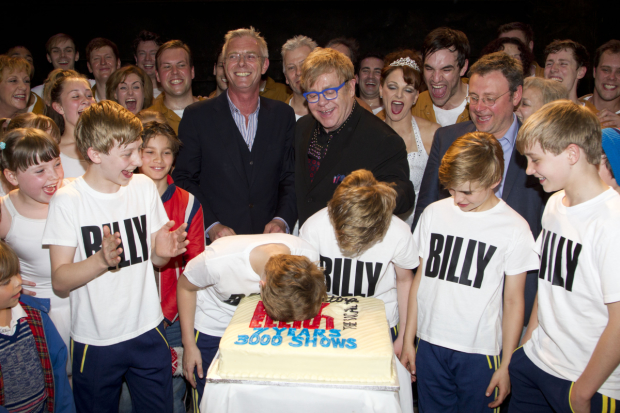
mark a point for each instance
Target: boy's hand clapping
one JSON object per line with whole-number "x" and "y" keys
{"x": 109, "y": 247}
{"x": 168, "y": 243}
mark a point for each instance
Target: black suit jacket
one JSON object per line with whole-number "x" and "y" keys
{"x": 521, "y": 192}
{"x": 242, "y": 190}
{"x": 365, "y": 143}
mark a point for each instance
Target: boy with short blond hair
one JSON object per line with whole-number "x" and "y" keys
{"x": 569, "y": 362}
{"x": 106, "y": 230}
{"x": 229, "y": 269}
{"x": 293, "y": 280}
{"x": 474, "y": 249}
{"x": 365, "y": 249}
{"x": 160, "y": 146}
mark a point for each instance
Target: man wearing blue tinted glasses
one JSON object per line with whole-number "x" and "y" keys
{"x": 340, "y": 137}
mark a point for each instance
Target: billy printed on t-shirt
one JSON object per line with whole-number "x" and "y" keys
{"x": 559, "y": 255}
{"x": 133, "y": 234}
{"x": 342, "y": 273}
{"x": 444, "y": 255}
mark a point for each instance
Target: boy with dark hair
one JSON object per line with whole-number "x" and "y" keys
{"x": 145, "y": 47}
{"x": 570, "y": 359}
{"x": 446, "y": 59}
{"x": 229, "y": 269}
{"x": 365, "y": 249}
{"x": 160, "y": 147}
{"x": 604, "y": 102}
{"x": 102, "y": 59}
{"x": 566, "y": 61}
{"x": 475, "y": 251}
{"x": 106, "y": 230}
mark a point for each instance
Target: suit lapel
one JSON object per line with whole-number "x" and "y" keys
{"x": 229, "y": 135}
{"x": 261, "y": 140}
{"x": 303, "y": 153}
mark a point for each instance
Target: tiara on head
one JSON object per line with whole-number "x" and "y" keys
{"x": 406, "y": 61}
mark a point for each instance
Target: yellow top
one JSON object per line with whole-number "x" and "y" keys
{"x": 38, "y": 108}
{"x": 424, "y": 107}
{"x": 172, "y": 118}
{"x": 275, "y": 90}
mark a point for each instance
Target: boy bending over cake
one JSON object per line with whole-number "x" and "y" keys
{"x": 278, "y": 265}
{"x": 365, "y": 250}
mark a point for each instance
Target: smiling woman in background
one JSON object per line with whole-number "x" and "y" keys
{"x": 14, "y": 85}
{"x": 69, "y": 96}
{"x": 400, "y": 87}
{"x": 536, "y": 93}
{"x": 131, "y": 87}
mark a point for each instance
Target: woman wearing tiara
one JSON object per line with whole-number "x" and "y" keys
{"x": 400, "y": 87}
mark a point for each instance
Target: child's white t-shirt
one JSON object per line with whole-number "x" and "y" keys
{"x": 371, "y": 274}
{"x": 465, "y": 257}
{"x": 224, "y": 273}
{"x": 120, "y": 304}
{"x": 579, "y": 274}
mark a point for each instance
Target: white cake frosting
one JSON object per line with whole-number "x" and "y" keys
{"x": 348, "y": 341}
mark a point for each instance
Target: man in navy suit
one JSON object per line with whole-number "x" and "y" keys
{"x": 237, "y": 156}
{"x": 495, "y": 89}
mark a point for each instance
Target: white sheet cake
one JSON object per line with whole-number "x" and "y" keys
{"x": 347, "y": 342}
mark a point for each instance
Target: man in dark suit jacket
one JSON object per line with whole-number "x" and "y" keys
{"x": 495, "y": 89}
{"x": 340, "y": 137}
{"x": 237, "y": 156}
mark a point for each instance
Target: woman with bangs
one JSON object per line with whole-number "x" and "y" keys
{"x": 131, "y": 87}
{"x": 401, "y": 80}
{"x": 30, "y": 161}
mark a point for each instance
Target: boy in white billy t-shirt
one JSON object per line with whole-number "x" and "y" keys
{"x": 279, "y": 266}
{"x": 106, "y": 230}
{"x": 475, "y": 250}
{"x": 365, "y": 250}
{"x": 570, "y": 363}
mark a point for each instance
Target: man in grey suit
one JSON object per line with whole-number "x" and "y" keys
{"x": 495, "y": 89}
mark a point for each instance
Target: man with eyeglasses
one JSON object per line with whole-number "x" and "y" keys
{"x": 495, "y": 89}
{"x": 340, "y": 137}
{"x": 237, "y": 155}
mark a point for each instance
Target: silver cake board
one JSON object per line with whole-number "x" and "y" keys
{"x": 213, "y": 377}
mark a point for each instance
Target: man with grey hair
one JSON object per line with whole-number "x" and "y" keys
{"x": 237, "y": 154}
{"x": 237, "y": 158}
{"x": 294, "y": 52}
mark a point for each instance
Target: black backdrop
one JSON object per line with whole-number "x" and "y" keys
{"x": 378, "y": 25}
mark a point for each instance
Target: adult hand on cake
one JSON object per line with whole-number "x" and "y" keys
{"x": 218, "y": 231}
{"x": 501, "y": 380}
{"x": 192, "y": 359}
{"x": 407, "y": 358}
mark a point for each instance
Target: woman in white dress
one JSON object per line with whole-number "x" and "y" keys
{"x": 69, "y": 96}
{"x": 400, "y": 85}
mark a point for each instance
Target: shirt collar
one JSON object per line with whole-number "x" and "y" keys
{"x": 234, "y": 109}
{"x": 511, "y": 134}
{"x": 17, "y": 313}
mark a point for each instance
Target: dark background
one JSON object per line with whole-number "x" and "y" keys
{"x": 380, "y": 25}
